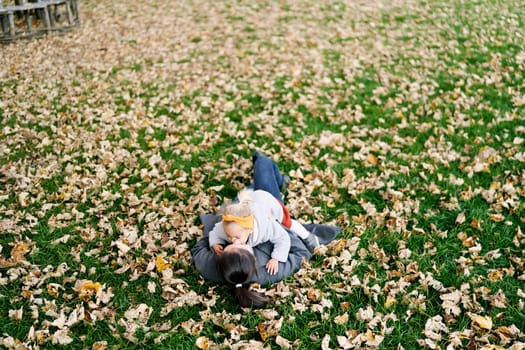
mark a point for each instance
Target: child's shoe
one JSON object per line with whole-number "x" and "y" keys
{"x": 311, "y": 242}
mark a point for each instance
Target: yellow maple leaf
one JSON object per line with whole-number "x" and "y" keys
{"x": 289, "y": 143}
{"x": 161, "y": 264}
{"x": 87, "y": 288}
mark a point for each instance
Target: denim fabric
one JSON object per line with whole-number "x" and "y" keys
{"x": 266, "y": 175}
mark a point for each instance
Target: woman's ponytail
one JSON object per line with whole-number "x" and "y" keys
{"x": 250, "y": 298}
{"x": 237, "y": 267}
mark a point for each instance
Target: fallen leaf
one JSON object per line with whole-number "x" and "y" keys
{"x": 371, "y": 159}
{"x": 18, "y": 253}
{"x": 460, "y": 219}
{"x": 390, "y": 300}
{"x": 203, "y": 343}
{"x": 483, "y": 322}
{"x": 341, "y": 319}
{"x": 160, "y": 263}
{"x": 86, "y": 288}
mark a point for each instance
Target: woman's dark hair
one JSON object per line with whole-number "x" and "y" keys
{"x": 237, "y": 267}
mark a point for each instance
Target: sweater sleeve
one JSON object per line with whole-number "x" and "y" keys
{"x": 217, "y": 235}
{"x": 281, "y": 242}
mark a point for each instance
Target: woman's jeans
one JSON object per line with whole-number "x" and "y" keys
{"x": 267, "y": 176}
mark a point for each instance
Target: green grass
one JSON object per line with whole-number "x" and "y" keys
{"x": 129, "y": 151}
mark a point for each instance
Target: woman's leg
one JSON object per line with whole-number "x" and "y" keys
{"x": 266, "y": 175}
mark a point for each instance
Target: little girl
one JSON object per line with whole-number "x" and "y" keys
{"x": 259, "y": 217}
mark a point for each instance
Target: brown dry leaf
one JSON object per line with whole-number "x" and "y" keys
{"x": 285, "y": 343}
{"x": 61, "y": 337}
{"x": 497, "y": 217}
{"x": 460, "y": 219}
{"x": 203, "y": 343}
{"x": 325, "y": 343}
{"x": 236, "y": 330}
{"x": 434, "y": 327}
{"x": 470, "y": 242}
{"x": 390, "y": 300}
{"x": 269, "y": 328}
{"x": 508, "y": 334}
{"x": 100, "y": 345}
{"x": 371, "y": 159}
{"x": 16, "y": 315}
{"x": 495, "y": 275}
{"x": 192, "y": 327}
{"x": 336, "y": 246}
{"x": 314, "y": 294}
{"x": 483, "y": 322}
{"x": 451, "y": 302}
{"x": 373, "y": 339}
{"x": 341, "y": 319}
{"x": 18, "y": 253}
{"x": 475, "y": 223}
{"x": 269, "y": 314}
{"x": 498, "y": 300}
{"x": 365, "y": 314}
{"x": 249, "y": 345}
{"x": 53, "y": 289}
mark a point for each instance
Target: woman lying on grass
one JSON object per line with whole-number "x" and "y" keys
{"x": 231, "y": 260}
{"x": 256, "y": 218}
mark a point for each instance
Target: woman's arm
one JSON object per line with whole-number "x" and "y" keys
{"x": 204, "y": 260}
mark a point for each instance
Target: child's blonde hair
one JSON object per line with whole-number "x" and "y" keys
{"x": 240, "y": 209}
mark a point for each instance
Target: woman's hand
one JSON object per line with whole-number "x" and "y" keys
{"x": 272, "y": 266}
{"x": 217, "y": 248}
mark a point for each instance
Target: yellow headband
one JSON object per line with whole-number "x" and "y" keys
{"x": 243, "y": 221}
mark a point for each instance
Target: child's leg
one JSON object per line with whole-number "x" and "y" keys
{"x": 266, "y": 175}
{"x": 299, "y": 229}
{"x": 309, "y": 239}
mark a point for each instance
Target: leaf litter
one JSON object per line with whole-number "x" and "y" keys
{"x": 117, "y": 135}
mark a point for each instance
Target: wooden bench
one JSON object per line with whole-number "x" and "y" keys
{"x": 38, "y": 17}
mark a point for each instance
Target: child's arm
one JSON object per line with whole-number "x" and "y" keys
{"x": 218, "y": 238}
{"x": 281, "y": 248}
{"x": 281, "y": 242}
{"x": 272, "y": 266}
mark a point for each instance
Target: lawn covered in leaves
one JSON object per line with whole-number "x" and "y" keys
{"x": 401, "y": 121}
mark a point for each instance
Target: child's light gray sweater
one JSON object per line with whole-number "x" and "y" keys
{"x": 268, "y": 214}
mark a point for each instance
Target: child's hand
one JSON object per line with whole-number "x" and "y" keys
{"x": 217, "y": 248}
{"x": 272, "y": 266}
